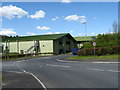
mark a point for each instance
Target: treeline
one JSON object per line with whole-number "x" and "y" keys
{"x": 5, "y": 36}
{"x": 105, "y": 43}
{"x": 104, "y": 40}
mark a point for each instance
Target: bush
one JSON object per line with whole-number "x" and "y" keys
{"x": 104, "y": 40}
{"x": 99, "y": 51}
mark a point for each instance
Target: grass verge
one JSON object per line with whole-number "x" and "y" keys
{"x": 105, "y": 57}
{"x": 20, "y": 58}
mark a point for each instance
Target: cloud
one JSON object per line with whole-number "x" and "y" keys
{"x": 81, "y": 19}
{"x": 53, "y": 33}
{"x": 71, "y": 31}
{"x": 66, "y": 1}
{"x": 7, "y": 32}
{"x": 57, "y": 32}
{"x": 43, "y": 28}
{"x": 56, "y": 18}
{"x": 38, "y": 14}
{"x": 111, "y": 32}
{"x": 83, "y": 34}
{"x": 49, "y": 33}
{"x": 12, "y": 11}
{"x": 80, "y": 33}
{"x": 29, "y": 33}
{"x": 92, "y": 33}
{"x": 102, "y": 33}
{"x": 72, "y": 18}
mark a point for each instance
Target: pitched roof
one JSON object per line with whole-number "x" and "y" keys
{"x": 89, "y": 38}
{"x": 35, "y": 37}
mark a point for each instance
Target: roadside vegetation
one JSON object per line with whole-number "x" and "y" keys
{"x": 107, "y": 47}
{"x": 17, "y": 56}
{"x": 104, "y": 40}
{"x": 91, "y": 57}
{"x": 105, "y": 44}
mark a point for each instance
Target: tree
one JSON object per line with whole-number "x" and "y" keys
{"x": 115, "y": 27}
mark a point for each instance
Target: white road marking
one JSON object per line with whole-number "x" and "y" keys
{"x": 22, "y": 60}
{"x": 113, "y": 70}
{"x": 18, "y": 61}
{"x": 105, "y": 62}
{"x": 14, "y": 71}
{"x": 45, "y": 88}
{"x": 40, "y": 66}
{"x": 57, "y": 65}
{"x": 102, "y": 70}
{"x": 65, "y": 61}
{"x": 95, "y": 69}
{"x": 87, "y": 62}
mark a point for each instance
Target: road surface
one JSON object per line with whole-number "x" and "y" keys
{"x": 52, "y": 72}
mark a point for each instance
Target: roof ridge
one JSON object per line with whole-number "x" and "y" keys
{"x": 46, "y": 35}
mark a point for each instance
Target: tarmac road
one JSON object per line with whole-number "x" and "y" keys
{"x": 51, "y": 72}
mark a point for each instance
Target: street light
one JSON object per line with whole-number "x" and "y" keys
{"x": 85, "y": 31}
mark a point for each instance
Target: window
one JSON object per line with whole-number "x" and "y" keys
{"x": 68, "y": 43}
{"x": 60, "y": 43}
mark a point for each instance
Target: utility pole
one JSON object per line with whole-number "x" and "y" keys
{"x": 85, "y": 31}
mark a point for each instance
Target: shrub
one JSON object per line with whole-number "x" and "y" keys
{"x": 99, "y": 51}
{"x": 110, "y": 50}
{"x": 104, "y": 40}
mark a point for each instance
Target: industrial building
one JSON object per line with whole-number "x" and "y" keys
{"x": 52, "y": 43}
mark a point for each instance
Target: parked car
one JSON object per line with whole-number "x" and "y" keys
{"x": 74, "y": 51}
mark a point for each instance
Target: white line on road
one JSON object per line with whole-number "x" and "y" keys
{"x": 22, "y": 61}
{"x": 113, "y": 70}
{"x": 57, "y": 65}
{"x": 45, "y": 88}
{"x": 106, "y": 62}
{"x": 40, "y": 66}
{"x": 95, "y": 69}
{"x": 14, "y": 71}
{"x": 102, "y": 70}
{"x": 65, "y": 61}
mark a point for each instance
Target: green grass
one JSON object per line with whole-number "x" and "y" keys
{"x": 105, "y": 57}
{"x": 18, "y": 58}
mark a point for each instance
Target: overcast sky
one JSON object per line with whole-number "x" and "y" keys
{"x": 36, "y": 18}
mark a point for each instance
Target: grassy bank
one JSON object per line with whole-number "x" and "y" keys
{"x": 105, "y": 57}
{"x": 29, "y": 57}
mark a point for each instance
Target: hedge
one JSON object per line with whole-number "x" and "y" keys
{"x": 99, "y": 51}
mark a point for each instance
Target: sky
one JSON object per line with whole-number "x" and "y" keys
{"x": 76, "y": 18}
